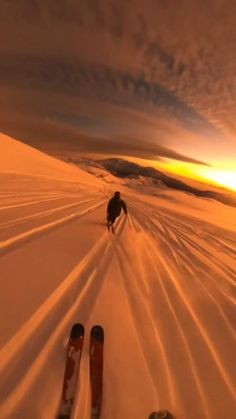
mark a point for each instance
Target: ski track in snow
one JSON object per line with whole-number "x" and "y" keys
{"x": 44, "y": 213}
{"x": 177, "y": 277}
{"x": 22, "y": 238}
{"x": 71, "y": 294}
{"x": 30, "y": 203}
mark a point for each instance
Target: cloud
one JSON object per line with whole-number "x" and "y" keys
{"x": 66, "y": 138}
{"x": 103, "y": 83}
{"x": 175, "y": 64}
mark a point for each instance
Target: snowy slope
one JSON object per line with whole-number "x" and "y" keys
{"x": 16, "y": 157}
{"x": 162, "y": 287}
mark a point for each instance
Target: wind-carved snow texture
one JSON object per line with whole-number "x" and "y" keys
{"x": 163, "y": 287}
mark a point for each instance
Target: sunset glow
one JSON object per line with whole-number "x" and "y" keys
{"x": 211, "y": 175}
{"x": 117, "y": 209}
{"x": 226, "y": 178}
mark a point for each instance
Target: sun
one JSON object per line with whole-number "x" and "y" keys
{"x": 226, "y": 178}
{"x": 212, "y": 175}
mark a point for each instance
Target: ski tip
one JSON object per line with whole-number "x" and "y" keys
{"x": 77, "y": 331}
{"x": 97, "y": 333}
{"x": 161, "y": 414}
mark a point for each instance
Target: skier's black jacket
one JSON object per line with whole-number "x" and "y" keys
{"x": 115, "y": 206}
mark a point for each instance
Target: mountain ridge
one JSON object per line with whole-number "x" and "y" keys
{"x": 122, "y": 168}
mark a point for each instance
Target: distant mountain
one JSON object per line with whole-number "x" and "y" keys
{"x": 126, "y": 169}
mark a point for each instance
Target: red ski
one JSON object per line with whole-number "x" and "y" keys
{"x": 96, "y": 370}
{"x": 74, "y": 351}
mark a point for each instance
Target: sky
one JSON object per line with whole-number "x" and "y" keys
{"x": 153, "y": 80}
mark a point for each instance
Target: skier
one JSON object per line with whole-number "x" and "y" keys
{"x": 114, "y": 207}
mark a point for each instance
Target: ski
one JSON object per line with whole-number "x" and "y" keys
{"x": 74, "y": 351}
{"x": 110, "y": 228}
{"x": 161, "y": 414}
{"x": 96, "y": 369}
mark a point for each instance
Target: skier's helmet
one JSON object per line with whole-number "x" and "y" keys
{"x": 117, "y": 194}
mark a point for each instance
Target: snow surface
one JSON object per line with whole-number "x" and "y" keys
{"x": 163, "y": 288}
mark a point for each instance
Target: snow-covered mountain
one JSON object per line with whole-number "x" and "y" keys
{"x": 128, "y": 172}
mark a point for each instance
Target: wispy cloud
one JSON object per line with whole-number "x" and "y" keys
{"x": 176, "y": 64}
{"x": 100, "y": 82}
